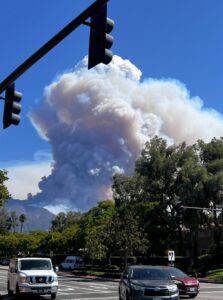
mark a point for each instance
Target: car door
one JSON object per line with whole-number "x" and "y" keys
{"x": 124, "y": 283}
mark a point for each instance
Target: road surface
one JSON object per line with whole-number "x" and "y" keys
{"x": 74, "y": 288}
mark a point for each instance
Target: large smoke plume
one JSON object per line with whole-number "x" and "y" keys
{"x": 98, "y": 121}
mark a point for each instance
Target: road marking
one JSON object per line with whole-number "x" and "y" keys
{"x": 211, "y": 292}
{"x": 94, "y": 298}
{"x": 99, "y": 287}
{"x": 85, "y": 288}
{"x": 3, "y": 293}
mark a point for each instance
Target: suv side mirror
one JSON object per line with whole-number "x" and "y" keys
{"x": 172, "y": 277}
{"x": 56, "y": 269}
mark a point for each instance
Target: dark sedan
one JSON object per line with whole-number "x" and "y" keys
{"x": 147, "y": 283}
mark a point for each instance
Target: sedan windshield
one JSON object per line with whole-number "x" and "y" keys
{"x": 37, "y": 264}
{"x": 148, "y": 274}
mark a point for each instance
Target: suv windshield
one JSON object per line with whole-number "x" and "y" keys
{"x": 37, "y": 264}
{"x": 148, "y": 274}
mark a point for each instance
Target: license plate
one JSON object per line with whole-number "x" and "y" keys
{"x": 192, "y": 289}
{"x": 157, "y": 298}
{"x": 40, "y": 291}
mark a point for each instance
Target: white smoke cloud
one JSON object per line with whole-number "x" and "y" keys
{"x": 98, "y": 121}
{"x": 19, "y": 184}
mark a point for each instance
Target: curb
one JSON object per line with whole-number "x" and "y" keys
{"x": 206, "y": 280}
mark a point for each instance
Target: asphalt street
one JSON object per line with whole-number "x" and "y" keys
{"x": 74, "y": 288}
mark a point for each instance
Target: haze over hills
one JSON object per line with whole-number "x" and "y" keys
{"x": 38, "y": 218}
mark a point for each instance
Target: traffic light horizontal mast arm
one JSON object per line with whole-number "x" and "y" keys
{"x": 51, "y": 44}
{"x": 201, "y": 208}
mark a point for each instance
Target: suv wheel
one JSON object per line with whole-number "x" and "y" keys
{"x": 53, "y": 296}
{"x": 127, "y": 296}
{"x": 18, "y": 295}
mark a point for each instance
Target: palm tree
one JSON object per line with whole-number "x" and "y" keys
{"x": 13, "y": 220}
{"x": 22, "y": 219}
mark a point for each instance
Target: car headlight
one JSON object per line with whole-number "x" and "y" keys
{"x": 137, "y": 287}
{"x": 172, "y": 288}
{"x": 22, "y": 278}
{"x": 52, "y": 279}
{"x": 178, "y": 282}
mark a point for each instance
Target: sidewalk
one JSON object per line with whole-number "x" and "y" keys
{"x": 207, "y": 280}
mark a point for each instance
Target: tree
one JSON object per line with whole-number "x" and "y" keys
{"x": 165, "y": 175}
{"x": 4, "y": 226}
{"x": 9, "y": 245}
{"x": 191, "y": 189}
{"x": 127, "y": 237}
{"x": 152, "y": 191}
{"x": 13, "y": 221}
{"x": 211, "y": 157}
{"x": 60, "y": 222}
{"x": 22, "y": 219}
{"x": 94, "y": 227}
{"x": 4, "y": 194}
{"x": 64, "y": 220}
{"x": 95, "y": 246}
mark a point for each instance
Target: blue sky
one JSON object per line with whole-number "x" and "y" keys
{"x": 181, "y": 40}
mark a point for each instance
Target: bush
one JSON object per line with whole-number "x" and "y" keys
{"x": 209, "y": 262}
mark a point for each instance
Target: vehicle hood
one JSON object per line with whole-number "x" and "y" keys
{"x": 152, "y": 283}
{"x": 39, "y": 273}
{"x": 188, "y": 280}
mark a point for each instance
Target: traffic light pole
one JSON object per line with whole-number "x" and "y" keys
{"x": 51, "y": 44}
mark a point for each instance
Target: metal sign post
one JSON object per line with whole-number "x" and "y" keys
{"x": 171, "y": 258}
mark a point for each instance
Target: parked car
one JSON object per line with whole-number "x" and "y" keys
{"x": 187, "y": 285}
{"x": 72, "y": 262}
{"x": 147, "y": 283}
{"x": 33, "y": 276}
{"x": 5, "y": 262}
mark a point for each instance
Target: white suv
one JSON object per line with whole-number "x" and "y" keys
{"x": 32, "y": 276}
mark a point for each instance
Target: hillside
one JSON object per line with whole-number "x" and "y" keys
{"x": 37, "y": 218}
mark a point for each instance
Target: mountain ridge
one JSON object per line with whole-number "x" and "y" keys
{"x": 38, "y": 218}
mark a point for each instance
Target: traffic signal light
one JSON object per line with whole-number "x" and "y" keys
{"x": 100, "y": 39}
{"x": 12, "y": 107}
{"x": 179, "y": 210}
